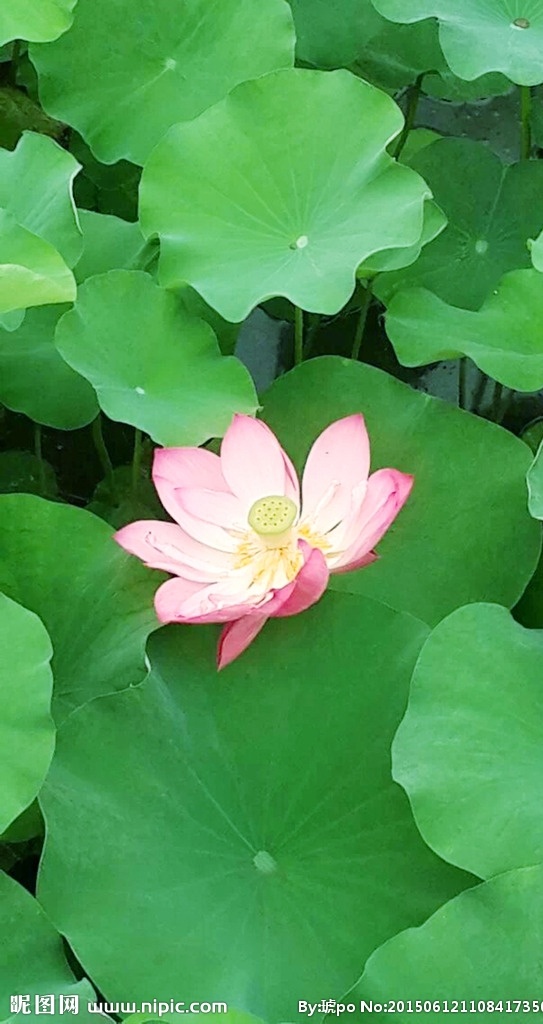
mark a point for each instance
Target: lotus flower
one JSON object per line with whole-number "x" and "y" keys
{"x": 244, "y": 548}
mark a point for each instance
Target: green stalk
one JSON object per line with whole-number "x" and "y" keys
{"x": 103, "y": 455}
{"x": 362, "y": 319}
{"x": 479, "y": 392}
{"x": 314, "y": 324}
{"x": 298, "y": 335}
{"x": 15, "y": 53}
{"x": 413, "y": 94}
{"x": 39, "y": 455}
{"x": 136, "y": 461}
{"x": 146, "y": 256}
{"x": 495, "y": 409}
{"x": 525, "y": 122}
{"x": 463, "y": 383}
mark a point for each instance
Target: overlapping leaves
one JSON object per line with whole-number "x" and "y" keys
{"x": 40, "y": 237}
{"x": 32, "y": 960}
{"x": 478, "y": 36}
{"x": 34, "y": 378}
{"x": 491, "y": 211}
{"x": 481, "y": 948}
{"x": 96, "y": 602}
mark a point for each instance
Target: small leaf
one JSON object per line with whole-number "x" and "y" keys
{"x": 36, "y": 183}
{"x": 32, "y": 273}
{"x": 40, "y": 20}
{"x": 504, "y": 338}
{"x": 36, "y": 380}
{"x": 151, "y": 363}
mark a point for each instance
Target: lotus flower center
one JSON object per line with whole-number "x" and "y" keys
{"x": 270, "y": 517}
{"x": 521, "y": 23}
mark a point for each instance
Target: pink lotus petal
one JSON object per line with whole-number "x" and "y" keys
{"x": 357, "y": 563}
{"x": 306, "y": 589}
{"x": 254, "y": 464}
{"x": 220, "y": 508}
{"x": 185, "y": 467}
{"x": 236, "y": 637}
{"x": 180, "y": 600}
{"x": 166, "y": 546}
{"x": 338, "y": 462}
{"x": 172, "y": 595}
{"x": 206, "y": 533}
{"x": 386, "y": 494}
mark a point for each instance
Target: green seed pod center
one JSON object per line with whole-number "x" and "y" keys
{"x": 273, "y": 515}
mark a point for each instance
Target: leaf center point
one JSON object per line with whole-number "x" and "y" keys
{"x": 265, "y": 863}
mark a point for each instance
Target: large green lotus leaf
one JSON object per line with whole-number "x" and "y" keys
{"x": 95, "y": 601}
{"x": 534, "y": 480}
{"x": 32, "y": 960}
{"x": 36, "y": 182}
{"x": 286, "y": 853}
{"x": 27, "y": 733}
{"x": 36, "y": 380}
{"x": 169, "y": 65}
{"x": 504, "y": 338}
{"x": 151, "y": 363}
{"x": 469, "y": 751}
{"x": 32, "y": 273}
{"x": 283, "y": 188}
{"x": 38, "y": 20}
{"x": 465, "y": 534}
{"x": 483, "y": 945}
{"x": 478, "y": 36}
{"x": 491, "y": 210}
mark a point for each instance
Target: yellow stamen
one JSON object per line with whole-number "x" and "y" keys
{"x": 317, "y": 540}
